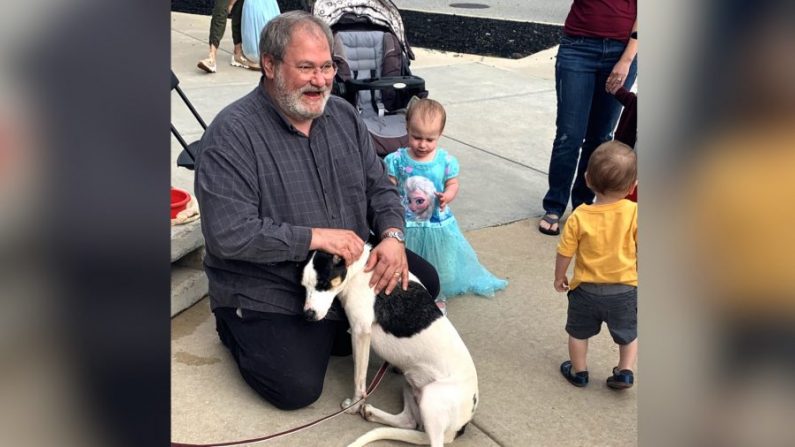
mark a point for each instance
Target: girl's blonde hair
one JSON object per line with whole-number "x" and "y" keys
{"x": 426, "y": 110}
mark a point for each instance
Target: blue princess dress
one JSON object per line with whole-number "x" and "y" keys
{"x": 433, "y": 233}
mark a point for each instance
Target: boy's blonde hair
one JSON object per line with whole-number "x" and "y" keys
{"x": 612, "y": 168}
{"x": 426, "y": 110}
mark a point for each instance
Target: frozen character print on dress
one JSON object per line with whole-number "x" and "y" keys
{"x": 419, "y": 198}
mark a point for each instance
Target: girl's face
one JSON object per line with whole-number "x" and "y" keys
{"x": 423, "y": 137}
{"x": 418, "y": 202}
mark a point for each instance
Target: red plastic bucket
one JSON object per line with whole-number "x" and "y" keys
{"x": 179, "y": 200}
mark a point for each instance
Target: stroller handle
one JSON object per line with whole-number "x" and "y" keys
{"x": 392, "y": 82}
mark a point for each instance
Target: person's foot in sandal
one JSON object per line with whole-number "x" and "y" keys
{"x": 549, "y": 224}
{"x": 579, "y": 379}
{"x": 621, "y": 380}
{"x": 238, "y": 60}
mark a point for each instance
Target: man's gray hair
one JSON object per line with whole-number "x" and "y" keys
{"x": 276, "y": 35}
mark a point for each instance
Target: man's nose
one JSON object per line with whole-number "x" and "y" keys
{"x": 318, "y": 79}
{"x": 310, "y": 314}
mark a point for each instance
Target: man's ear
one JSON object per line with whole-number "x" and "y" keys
{"x": 268, "y": 66}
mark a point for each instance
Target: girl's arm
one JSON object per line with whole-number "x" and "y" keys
{"x": 450, "y": 191}
{"x": 393, "y": 180}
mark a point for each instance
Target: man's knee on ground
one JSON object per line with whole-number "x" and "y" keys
{"x": 297, "y": 395}
{"x": 288, "y": 393}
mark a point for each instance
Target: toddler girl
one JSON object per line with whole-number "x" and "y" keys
{"x": 427, "y": 179}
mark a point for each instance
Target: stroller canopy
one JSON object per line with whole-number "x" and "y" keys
{"x": 380, "y": 12}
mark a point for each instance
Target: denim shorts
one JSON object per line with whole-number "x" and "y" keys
{"x": 592, "y": 304}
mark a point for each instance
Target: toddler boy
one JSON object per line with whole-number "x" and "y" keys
{"x": 603, "y": 236}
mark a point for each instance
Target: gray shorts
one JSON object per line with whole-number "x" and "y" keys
{"x": 614, "y": 304}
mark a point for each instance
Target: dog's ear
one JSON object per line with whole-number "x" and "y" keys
{"x": 308, "y": 258}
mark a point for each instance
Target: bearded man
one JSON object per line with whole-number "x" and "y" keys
{"x": 285, "y": 170}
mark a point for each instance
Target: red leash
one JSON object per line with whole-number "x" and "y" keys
{"x": 370, "y": 389}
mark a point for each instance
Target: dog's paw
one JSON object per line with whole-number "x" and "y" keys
{"x": 366, "y": 412}
{"x": 351, "y": 409}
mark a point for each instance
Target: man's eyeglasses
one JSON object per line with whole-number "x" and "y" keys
{"x": 310, "y": 69}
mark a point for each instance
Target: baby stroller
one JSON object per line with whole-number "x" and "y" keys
{"x": 373, "y": 57}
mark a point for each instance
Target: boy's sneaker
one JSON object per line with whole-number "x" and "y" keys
{"x": 207, "y": 65}
{"x": 579, "y": 379}
{"x": 621, "y": 380}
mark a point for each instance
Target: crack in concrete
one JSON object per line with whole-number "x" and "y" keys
{"x": 513, "y": 95}
{"x": 486, "y": 432}
{"x": 219, "y": 49}
{"x": 539, "y": 171}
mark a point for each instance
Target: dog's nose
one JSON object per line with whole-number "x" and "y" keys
{"x": 310, "y": 314}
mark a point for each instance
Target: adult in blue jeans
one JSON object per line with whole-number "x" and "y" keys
{"x": 597, "y": 52}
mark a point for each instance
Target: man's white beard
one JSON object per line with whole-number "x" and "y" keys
{"x": 290, "y": 101}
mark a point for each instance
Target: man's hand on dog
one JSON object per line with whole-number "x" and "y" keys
{"x": 388, "y": 263}
{"x": 343, "y": 243}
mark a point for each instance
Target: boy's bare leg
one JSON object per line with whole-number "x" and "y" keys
{"x": 578, "y": 352}
{"x": 627, "y": 355}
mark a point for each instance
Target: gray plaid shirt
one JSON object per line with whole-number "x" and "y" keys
{"x": 262, "y": 185}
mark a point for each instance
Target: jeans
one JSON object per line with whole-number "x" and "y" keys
{"x": 587, "y": 115}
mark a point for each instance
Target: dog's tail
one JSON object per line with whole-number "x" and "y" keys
{"x": 393, "y": 434}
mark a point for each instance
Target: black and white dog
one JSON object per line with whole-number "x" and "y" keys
{"x": 407, "y": 330}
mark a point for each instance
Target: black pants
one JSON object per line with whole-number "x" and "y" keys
{"x": 284, "y": 357}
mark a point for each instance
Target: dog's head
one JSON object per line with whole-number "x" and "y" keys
{"x": 323, "y": 278}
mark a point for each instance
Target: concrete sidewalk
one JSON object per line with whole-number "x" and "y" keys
{"x": 501, "y": 117}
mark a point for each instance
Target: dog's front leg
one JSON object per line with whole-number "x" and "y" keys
{"x": 360, "y": 339}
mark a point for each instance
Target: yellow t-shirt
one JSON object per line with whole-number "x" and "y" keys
{"x": 604, "y": 238}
